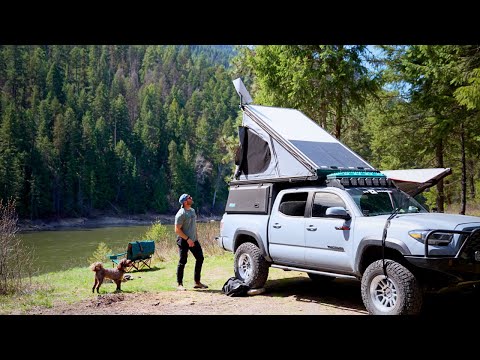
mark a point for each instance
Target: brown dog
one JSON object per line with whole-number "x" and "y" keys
{"x": 115, "y": 274}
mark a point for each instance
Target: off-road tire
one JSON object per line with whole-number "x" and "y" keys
{"x": 248, "y": 258}
{"x": 320, "y": 279}
{"x": 378, "y": 297}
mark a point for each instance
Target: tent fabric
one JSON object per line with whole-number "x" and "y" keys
{"x": 239, "y": 155}
{"x": 298, "y": 147}
{"x": 310, "y": 139}
{"x": 289, "y": 166}
{"x": 254, "y": 158}
{"x": 256, "y": 153}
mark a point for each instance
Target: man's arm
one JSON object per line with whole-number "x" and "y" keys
{"x": 179, "y": 232}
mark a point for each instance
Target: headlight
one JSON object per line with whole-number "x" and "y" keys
{"x": 438, "y": 238}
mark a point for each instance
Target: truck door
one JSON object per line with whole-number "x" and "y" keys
{"x": 328, "y": 241}
{"x": 285, "y": 229}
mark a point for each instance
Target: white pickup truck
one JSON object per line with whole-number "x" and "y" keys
{"x": 351, "y": 226}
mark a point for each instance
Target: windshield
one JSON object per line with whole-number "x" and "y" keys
{"x": 381, "y": 201}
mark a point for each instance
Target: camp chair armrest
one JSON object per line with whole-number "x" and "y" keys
{"x": 116, "y": 256}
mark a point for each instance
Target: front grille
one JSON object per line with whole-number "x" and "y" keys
{"x": 471, "y": 246}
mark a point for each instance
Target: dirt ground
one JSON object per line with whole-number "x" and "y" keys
{"x": 190, "y": 303}
{"x": 298, "y": 297}
{"x": 278, "y": 299}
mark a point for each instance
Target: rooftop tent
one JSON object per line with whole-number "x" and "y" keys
{"x": 281, "y": 144}
{"x": 414, "y": 181}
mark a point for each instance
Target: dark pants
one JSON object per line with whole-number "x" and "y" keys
{"x": 183, "y": 251}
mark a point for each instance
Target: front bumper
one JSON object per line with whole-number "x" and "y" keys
{"x": 463, "y": 267}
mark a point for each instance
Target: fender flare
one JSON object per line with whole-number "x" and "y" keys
{"x": 389, "y": 243}
{"x": 257, "y": 238}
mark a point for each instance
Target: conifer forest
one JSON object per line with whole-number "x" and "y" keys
{"x": 128, "y": 128}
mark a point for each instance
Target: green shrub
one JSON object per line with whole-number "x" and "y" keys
{"x": 158, "y": 232}
{"x": 100, "y": 254}
{"x": 165, "y": 246}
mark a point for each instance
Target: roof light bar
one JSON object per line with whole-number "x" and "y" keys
{"x": 356, "y": 174}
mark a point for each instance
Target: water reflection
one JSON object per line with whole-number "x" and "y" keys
{"x": 63, "y": 249}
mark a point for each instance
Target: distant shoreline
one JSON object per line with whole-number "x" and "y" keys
{"x": 102, "y": 221}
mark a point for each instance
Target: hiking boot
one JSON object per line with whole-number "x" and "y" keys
{"x": 181, "y": 288}
{"x": 199, "y": 285}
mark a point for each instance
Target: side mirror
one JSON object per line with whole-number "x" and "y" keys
{"x": 337, "y": 212}
{"x": 412, "y": 209}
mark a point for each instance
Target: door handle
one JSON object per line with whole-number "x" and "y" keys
{"x": 311, "y": 228}
{"x": 276, "y": 226}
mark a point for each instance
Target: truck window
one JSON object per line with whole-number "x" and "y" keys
{"x": 293, "y": 204}
{"x": 378, "y": 201}
{"x": 322, "y": 201}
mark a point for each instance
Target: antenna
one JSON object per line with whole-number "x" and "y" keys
{"x": 245, "y": 97}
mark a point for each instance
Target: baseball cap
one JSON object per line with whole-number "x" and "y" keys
{"x": 183, "y": 198}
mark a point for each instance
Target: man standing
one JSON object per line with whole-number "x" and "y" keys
{"x": 186, "y": 229}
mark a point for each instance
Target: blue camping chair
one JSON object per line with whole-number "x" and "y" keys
{"x": 139, "y": 252}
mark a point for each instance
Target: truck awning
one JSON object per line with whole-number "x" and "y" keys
{"x": 414, "y": 181}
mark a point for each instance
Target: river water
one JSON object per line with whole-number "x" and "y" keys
{"x": 58, "y": 250}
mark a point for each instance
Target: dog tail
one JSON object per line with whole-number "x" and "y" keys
{"x": 96, "y": 266}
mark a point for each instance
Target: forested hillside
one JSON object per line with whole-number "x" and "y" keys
{"x": 127, "y": 129}
{"x": 119, "y": 128}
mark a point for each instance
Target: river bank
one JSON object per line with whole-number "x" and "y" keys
{"x": 26, "y": 225}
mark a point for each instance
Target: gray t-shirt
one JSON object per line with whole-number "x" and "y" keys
{"x": 187, "y": 219}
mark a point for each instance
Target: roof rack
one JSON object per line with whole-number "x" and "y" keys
{"x": 356, "y": 178}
